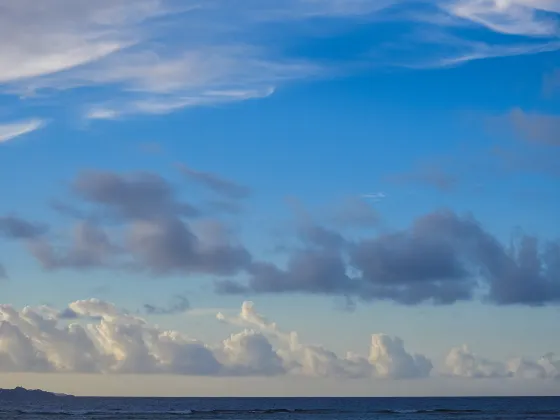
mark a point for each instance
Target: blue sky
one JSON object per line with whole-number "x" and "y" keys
{"x": 377, "y": 167}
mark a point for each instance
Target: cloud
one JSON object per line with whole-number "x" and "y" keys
{"x": 90, "y": 247}
{"x": 99, "y": 337}
{"x": 12, "y": 130}
{"x": 387, "y": 359}
{"x": 179, "y": 305}
{"x": 461, "y": 362}
{"x": 221, "y": 186}
{"x": 13, "y": 227}
{"x": 154, "y": 231}
{"x": 512, "y": 17}
{"x": 534, "y": 127}
{"x": 35, "y": 340}
{"x": 442, "y": 258}
{"x": 144, "y": 55}
{"x": 132, "y": 196}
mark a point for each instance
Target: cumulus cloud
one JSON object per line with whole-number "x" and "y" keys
{"x": 40, "y": 340}
{"x": 387, "y": 359}
{"x": 155, "y": 231}
{"x": 16, "y": 129}
{"x": 95, "y": 336}
{"x": 442, "y": 258}
{"x": 78, "y": 43}
{"x": 461, "y": 362}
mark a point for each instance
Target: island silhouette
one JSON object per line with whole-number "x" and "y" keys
{"x": 20, "y": 393}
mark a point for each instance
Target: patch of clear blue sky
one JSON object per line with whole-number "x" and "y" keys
{"x": 316, "y": 141}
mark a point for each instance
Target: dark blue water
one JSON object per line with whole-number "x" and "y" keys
{"x": 284, "y": 408}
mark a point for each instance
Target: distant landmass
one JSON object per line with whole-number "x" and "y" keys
{"x": 22, "y": 393}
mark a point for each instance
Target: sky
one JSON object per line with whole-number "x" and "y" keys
{"x": 281, "y": 197}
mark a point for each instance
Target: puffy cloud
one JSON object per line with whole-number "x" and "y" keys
{"x": 388, "y": 357}
{"x": 115, "y": 341}
{"x": 461, "y": 362}
{"x": 442, "y": 258}
{"x": 155, "y": 231}
{"x": 99, "y": 337}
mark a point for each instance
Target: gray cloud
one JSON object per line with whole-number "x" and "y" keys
{"x": 13, "y": 227}
{"x": 90, "y": 247}
{"x": 535, "y": 127}
{"x": 221, "y": 186}
{"x": 153, "y": 232}
{"x": 442, "y": 258}
{"x": 169, "y": 245}
{"x": 178, "y": 305}
{"x": 140, "y": 195}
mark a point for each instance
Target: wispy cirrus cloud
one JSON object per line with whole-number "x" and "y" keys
{"x": 160, "y": 56}
{"x": 13, "y": 130}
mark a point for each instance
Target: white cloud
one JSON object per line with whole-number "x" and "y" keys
{"x": 12, "y": 130}
{"x": 105, "y": 339}
{"x": 159, "y": 56}
{"x": 388, "y": 358}
{"x": 512, "y": 17}
{"x": 461, "y": 362}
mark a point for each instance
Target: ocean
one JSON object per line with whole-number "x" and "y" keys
{"x": 284, "y": 408}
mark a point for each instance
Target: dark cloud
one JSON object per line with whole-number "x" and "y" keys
{"x": 153, "y": 233}
{"x": 136, "y": 196}
{"x": 428, "y": 175}
{"x": 178, "y": 305}
{"x": 167, "y": 246}
{"x": 535, "y": 127}
{"x": 217, "y": 184}
{"x": 442, "y": 258}
{"x": 13, "y": 227}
